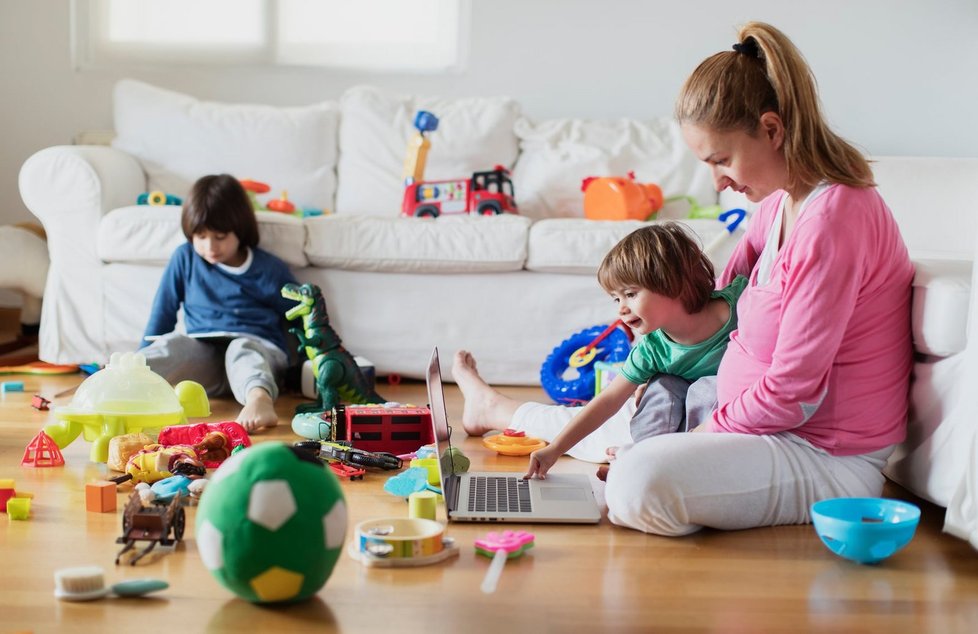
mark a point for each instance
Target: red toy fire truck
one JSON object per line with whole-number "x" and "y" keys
{"x": 486, "y": 193}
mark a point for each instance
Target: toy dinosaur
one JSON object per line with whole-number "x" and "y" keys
{"x": 337, "y": 374}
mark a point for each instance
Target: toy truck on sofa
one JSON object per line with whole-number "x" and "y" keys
{"x": 486, "y": 193}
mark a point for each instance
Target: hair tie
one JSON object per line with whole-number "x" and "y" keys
{"x": 748, "y": 47}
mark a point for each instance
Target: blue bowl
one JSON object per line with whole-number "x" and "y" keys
{"x": 866, "y": 530}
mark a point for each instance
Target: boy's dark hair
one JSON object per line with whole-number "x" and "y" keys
{"x": 218, "y": 202}
{"x": 663, "y": 258}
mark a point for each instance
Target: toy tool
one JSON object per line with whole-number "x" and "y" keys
{"x": 501, "y": 546}
{"x": 87, "y": 583}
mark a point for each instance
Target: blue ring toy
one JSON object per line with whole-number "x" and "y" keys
{"x": 613, "y": 348}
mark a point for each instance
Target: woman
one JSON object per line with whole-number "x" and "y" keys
{"x": 812, "y": 391}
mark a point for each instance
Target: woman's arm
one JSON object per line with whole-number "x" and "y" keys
{"x": 591, "y": 416}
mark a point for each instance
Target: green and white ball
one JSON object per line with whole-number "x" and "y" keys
{"x": 270, "y": 525}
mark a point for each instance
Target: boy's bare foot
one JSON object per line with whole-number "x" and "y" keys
{"x": 485, "y": 408}
{"x": 258, "y": 410}
{"x": 611, "y": 452}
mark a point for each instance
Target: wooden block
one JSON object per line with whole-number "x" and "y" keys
{"x": 100, "y": 497}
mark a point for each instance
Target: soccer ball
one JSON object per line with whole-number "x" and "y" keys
{"x": 271, "y": 524}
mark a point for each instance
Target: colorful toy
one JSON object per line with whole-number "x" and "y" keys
{"x": 513, "y": 443}
{"x": 487, "y": 193}
{"x": 423, "y": 504}
{"x": 409, "y": 481}
{"x": 156, "y": 462}
{"x": 40, "y": 403}
{"x": 401, "y": 542}
{"x": 19, "y": 508}
{"x": 100, "y": 497}
{"x": 6, "y": 492}
{"x": 390, "y": 427}
{"x": 337, "y": 374}
{"x": 212, "y": 442}
{"x": 281, "y": 204}
{"x": 38, "y": 367}
{"x": 125, "y": 397}
{"x": 253, "y": 188}
{"x": 500, "y": 547}
{"x": 153, "y": 523}
{"x": 617, "y": 198}
{"x": 42, "y": 451}
{"x": 865, "y": 530}
{"x": 9, "y": 499}
{"x": 271, "y": 524}
{"x": 11, "y": 386}
{"x": 732, "y": 218}
{"x": 604, "y": 374}
{"x": 158, "y": 199}
{"x": 87, "y": 583}
{"x": 581, "y": 346}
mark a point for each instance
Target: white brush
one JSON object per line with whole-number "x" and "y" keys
{"x": 87, "y": 583}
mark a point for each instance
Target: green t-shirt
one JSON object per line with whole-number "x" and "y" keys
{"x": 656, "y": 353}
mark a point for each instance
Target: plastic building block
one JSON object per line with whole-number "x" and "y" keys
{"x": 6, "y": 492}
{"x": 11, "y": 386}
{"x": 19, "y": 508}
{"x": 100, "y": 497}
{"x": 42, "y": 451}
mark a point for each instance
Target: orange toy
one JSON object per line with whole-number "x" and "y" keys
{"x": 282, "y": 204}
{"x": 513, "y": 443}
{"x": 617, "y": 198}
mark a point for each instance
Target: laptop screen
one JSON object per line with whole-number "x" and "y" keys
{"x": 441, "y": 431}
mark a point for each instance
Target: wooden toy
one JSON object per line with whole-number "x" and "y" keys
{"x": 100, "y": 497}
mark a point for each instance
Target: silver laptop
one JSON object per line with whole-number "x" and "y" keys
{"x": 492, "y": 496}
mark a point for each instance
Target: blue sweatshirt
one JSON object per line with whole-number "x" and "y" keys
{"x": 217, "y": 300}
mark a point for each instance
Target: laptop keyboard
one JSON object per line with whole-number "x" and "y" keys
{"x": 503, "y": 494}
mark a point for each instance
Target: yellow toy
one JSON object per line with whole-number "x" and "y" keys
{"x": 125, "y": 397}
{"x": 513, "y": 443}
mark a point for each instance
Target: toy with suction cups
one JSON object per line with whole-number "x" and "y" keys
{"x": 513, "y": 443}
{"x": 501, "y": 546}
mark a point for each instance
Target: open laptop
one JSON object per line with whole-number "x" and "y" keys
{"x": 492, "y": 496}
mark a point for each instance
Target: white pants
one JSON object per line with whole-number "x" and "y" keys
{"x": 676, "y": 484}
{"x": 237, "y": 364}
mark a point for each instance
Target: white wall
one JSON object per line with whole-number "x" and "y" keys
{"x": 896, "y": 76}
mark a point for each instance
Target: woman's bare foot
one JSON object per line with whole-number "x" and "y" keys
{"x": 258, "y": 410}
{"x": 485, "y": 408}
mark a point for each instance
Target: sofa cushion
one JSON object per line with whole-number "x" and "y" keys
{"x": 449, "y": 244}
{"x": 941, "y": 295}
{"x": 576, "y": 245}
{"x": 555, "y": 156}
{"x": 144, "y": 234}
{"x": 178, "y": 139}
{"x": 473, "y": 134}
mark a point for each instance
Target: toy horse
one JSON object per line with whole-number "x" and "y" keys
{"x": 337, "y": 375}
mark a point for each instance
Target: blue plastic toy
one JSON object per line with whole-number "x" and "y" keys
{"x": 865, "y": 530}
{"x": 579, "y": 352}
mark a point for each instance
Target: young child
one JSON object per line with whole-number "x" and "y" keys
{"x": 233, "y": 309}
{"x": 664, "y": 287}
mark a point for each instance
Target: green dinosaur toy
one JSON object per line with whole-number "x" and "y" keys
{"x": 337, "y": 375}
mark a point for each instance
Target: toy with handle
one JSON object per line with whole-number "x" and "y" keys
{"x": 737, "y": 216}
{"x": 501, "y": 546}
{"x": 583, "y": 356}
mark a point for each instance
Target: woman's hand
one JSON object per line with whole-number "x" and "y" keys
{"x": 540, "y": 462}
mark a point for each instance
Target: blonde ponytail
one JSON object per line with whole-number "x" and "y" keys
{"x": 766, "y": 73}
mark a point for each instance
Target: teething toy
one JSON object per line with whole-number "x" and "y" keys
{"x": 501, "y": 546}
{"x": 513, "y": 443}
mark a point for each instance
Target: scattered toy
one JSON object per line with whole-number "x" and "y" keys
{"x": 500, "y": 547}
{"x": 87, "y": 583}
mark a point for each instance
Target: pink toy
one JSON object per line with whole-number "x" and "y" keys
{"x": 501, "y": 546}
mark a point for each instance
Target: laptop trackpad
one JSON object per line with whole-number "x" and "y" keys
{"x": 562, "y": 494}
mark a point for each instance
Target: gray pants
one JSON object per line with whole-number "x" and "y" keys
{"x": 671, "y": 403}
{"x": 219, "y": 364}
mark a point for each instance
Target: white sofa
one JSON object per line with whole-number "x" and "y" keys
{"x": 510, "y": 288}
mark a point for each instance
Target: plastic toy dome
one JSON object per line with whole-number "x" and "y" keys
{"x": 125, "y": 386}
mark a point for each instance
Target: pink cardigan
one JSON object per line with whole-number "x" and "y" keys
{"x": 823, "y": 349}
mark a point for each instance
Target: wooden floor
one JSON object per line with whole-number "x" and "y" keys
{"x": 578, "y": 578}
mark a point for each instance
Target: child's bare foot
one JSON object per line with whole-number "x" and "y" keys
{"x": 485, "y": 408}
{"x": 611, "y": 452}
{"x": 258, "y": 410}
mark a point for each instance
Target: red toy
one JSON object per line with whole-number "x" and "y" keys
{"x": 213, "y": 442}
{"x": 40, "y": 403}
{"x": 42, "y": 451}
{"x": 343, "y": 470}
{"x": 395, "y": 430}
{"x": 486, "y": 193}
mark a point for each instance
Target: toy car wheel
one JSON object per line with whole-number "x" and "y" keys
{"x": 179, "y": 522}
{"x": 426, "y": 212}
{"x": 489, "y": 209}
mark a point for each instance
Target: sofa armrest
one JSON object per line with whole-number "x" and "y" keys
{"x": 70, "y": 189}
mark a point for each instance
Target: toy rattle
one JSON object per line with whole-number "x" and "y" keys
{"x": 501, "y": 546}
{"x": 513, "y": 443}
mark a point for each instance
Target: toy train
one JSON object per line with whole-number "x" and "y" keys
{"x": 395, "y": 428}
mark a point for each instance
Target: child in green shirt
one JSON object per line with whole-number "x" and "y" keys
{"x": 663, "y": 284}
